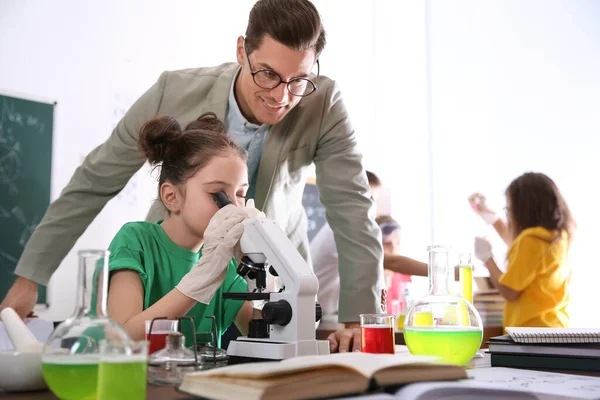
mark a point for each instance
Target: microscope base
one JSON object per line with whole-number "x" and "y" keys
{"x": 263, "y": 349}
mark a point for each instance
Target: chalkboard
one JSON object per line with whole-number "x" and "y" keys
{"x": 25, "y": 163}
{"x": 314, "y": 209}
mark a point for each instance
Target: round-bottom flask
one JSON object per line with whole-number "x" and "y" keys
{"x": 441, "y": 324}
{"x": 70, "y": 360}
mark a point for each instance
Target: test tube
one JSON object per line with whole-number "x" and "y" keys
{"x": 466, "y": 276}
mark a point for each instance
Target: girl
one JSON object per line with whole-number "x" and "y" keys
{"x": 539, "y": 232}
{"x": 183, "y": 264}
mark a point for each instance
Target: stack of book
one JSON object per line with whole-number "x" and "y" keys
{"x": 488, "y": 302}
{"x": 547, "y": 348}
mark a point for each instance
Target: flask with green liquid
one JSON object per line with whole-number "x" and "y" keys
{"x": 72, "y": 352}
{"x": 441, "y": 324}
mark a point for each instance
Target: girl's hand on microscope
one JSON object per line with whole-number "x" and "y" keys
{"x": 344, "y": 340}
{"x": 220, "y": 238}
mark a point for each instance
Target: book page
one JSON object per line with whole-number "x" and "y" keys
{"x": 362, "y": 363}
{"x": 539, "y": 382}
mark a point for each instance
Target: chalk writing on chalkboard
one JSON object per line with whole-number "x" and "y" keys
{"x": 10, "y": 162}
{"x": 25, "y": 169}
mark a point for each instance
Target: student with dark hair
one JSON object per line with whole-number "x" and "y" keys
{"x": 326, "y": 260}
{"x": 277, "y": 106}
{"x": 182, "y": 264}
{"x": 539, "y": 231}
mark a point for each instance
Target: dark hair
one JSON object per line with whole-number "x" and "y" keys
{"x": 184, "y": 152}
{"x": 294, "y": 23}
{"x": 373, "y": 179}
{"x": 536, "y": 201}
{"x": 388, "y": 225}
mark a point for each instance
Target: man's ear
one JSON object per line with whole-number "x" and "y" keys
{"x": 239, "y": 51}
{"x": 171, "y": 197}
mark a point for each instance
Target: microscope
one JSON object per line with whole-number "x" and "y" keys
{"x": 286, "y": 328}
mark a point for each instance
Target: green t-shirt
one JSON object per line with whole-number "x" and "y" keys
{"x": 144, "y": 247}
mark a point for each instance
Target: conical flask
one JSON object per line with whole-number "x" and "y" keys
{"x": 441, "y": 324}
{"x": 70, "y": 361}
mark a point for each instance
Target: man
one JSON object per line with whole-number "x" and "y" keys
{"x": 326, "y": 260}
{"x": 274, "y": 106}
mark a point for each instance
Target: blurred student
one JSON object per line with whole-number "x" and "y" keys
{"x": 539, "y": 232}
{"x": 325, "y": 258}
{"x": 396, "y": 283}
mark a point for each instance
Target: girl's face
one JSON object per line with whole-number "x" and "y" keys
{"x": 227, "y": 173}
{"x": 391, "y": 243}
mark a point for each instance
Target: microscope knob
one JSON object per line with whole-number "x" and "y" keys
{"x": 277, "y": 313}
{"x": 318, "y": 312}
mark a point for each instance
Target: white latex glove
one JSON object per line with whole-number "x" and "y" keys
{"x": 479, "y": 205}
{"x": 483, "y": 249}
{"x": 221, "y": 236}
{"x": 252, "y": 211}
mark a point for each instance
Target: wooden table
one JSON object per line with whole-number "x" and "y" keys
{"x": 169, "y": 393}
{"x": 154, "y": 393}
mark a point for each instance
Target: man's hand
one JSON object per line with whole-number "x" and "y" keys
{"x": 344, "y": 340}
{"x": 21, "y": 297}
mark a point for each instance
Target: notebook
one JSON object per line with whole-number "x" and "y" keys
{"x": 316, "y": 376}
{"x": 505, "y": 345}
{"x": 554, "y": 335}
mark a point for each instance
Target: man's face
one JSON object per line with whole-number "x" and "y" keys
{"x": 270, "y": 106}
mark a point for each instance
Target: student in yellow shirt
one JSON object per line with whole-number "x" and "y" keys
{"x": 539, "y": 232}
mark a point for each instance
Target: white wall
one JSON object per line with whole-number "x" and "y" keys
{"x": 96, "y": 58}
{"x": 514, "y": 87}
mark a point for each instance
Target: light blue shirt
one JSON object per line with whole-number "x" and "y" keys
{"x": 246, "y": 134}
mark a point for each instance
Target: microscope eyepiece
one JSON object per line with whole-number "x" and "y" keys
{"x": 221, "y": 199}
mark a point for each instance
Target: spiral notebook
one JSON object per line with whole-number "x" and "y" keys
{"x": 554, "y": 335}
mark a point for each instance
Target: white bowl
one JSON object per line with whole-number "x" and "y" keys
{"x": 21, "y": 371}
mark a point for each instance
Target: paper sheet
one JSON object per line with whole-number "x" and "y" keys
{"x": 550, "y": 384}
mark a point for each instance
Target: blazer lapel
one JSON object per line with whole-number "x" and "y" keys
{"x": 218, "y": 97}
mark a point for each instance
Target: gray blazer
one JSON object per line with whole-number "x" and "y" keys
{"x": 317, "y": 130}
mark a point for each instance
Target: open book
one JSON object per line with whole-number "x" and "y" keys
{"x": 316, "y": 376}
{"x": 554, "y": 335}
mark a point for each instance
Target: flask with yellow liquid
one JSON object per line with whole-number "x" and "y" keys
{"x": 441, "y": 324}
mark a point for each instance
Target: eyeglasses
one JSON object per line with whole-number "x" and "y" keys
{"x": 269, "y": 79}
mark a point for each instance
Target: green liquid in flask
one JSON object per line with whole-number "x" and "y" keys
{"x": 453, "y": 345}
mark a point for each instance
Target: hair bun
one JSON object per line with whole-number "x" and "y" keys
{"x": 207, "y": 122}
{"x": 156, "y": 136}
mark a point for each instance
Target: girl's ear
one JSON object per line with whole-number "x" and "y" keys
{"x": 171, "y": 197}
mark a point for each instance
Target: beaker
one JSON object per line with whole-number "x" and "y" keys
{"x": 441, "y": 324}
{"x": 465, "y": 271}
{"x": 70, "y": 360}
